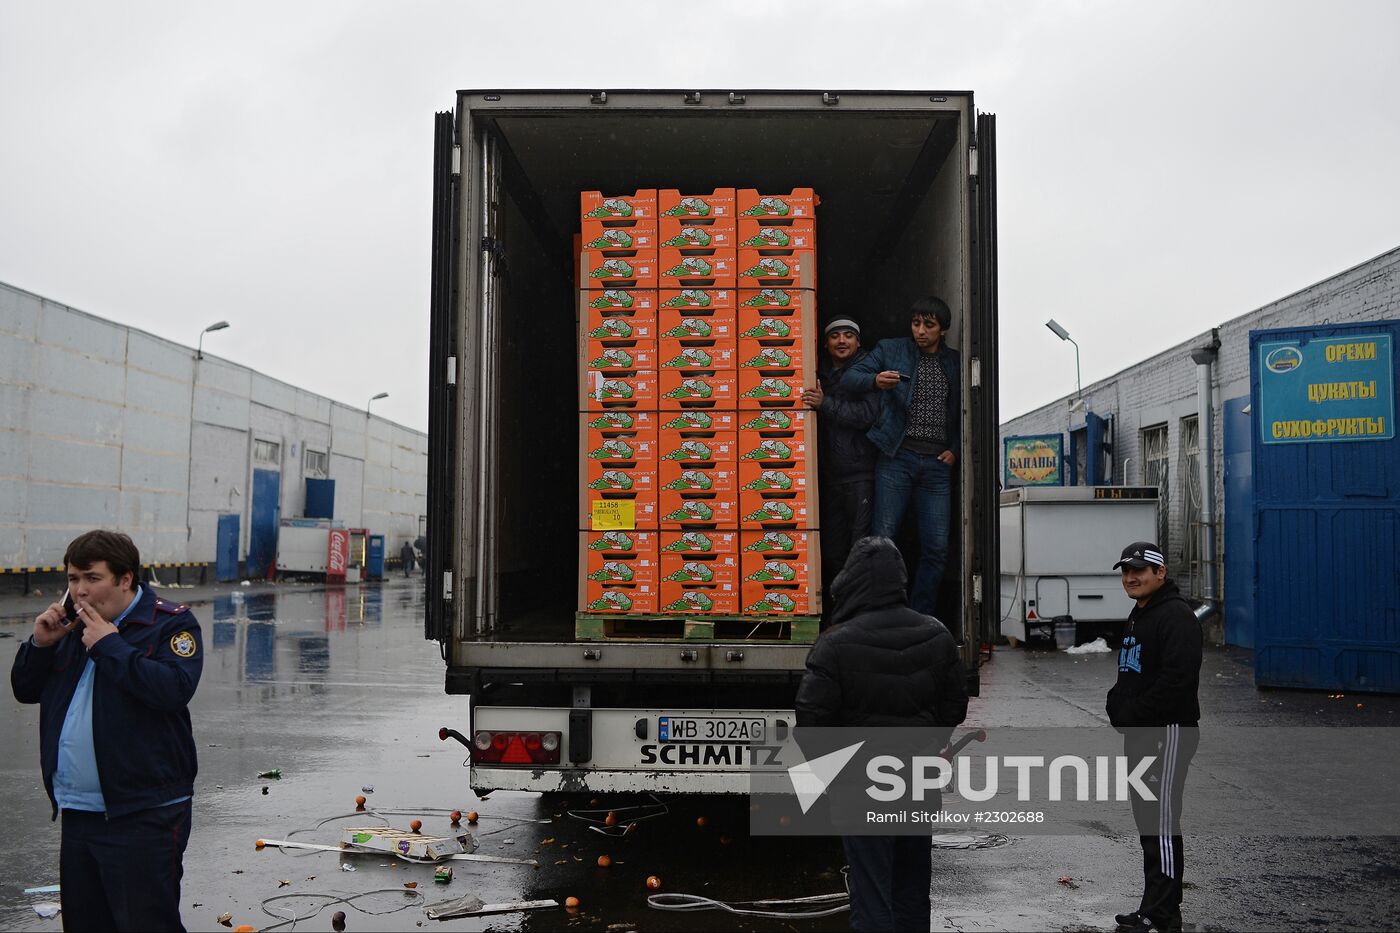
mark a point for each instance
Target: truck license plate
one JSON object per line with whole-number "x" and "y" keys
{"x": 692, "y": 729}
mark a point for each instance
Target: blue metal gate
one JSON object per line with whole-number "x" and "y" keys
{"x": 1327, "y": 506}
{"x": 226, "y": 549}
{"x": 262, "y": 528}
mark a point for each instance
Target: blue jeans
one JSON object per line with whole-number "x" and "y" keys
{"x": 929, "y": 482}
{"x": 891, "y": 879}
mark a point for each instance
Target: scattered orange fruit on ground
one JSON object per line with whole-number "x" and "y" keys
{"x": 699, "y": 821}
{"x": 571, "y": 903}
{"x": 415, "y": 825}
{"x": 653, "y": 883}
{"x": 359, "y": 800}
{"x": 473, "y": 816}
{"x": 456, "y": 817}
{"x": 611, "y": 819}
{"x": 259, "y": 845}
{"x": 604, "y": 861}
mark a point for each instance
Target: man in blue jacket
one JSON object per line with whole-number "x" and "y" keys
{"x": 919, "y": 436}
{"x": 113, "y": 669}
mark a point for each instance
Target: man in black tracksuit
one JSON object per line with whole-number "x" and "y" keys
{"x": 882, "y": 664}
{"x": 1155, "y": 705}
{"x": 847, "y": 461}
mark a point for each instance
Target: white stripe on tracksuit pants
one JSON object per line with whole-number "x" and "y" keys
{"x": 1158, "y": 821}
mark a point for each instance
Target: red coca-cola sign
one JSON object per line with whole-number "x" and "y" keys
{"x": 337, "y": 553}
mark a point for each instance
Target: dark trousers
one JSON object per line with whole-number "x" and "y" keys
{"x": 1159, "y": 821}
{"x": 890, "y": 878}
{"x": 847, "y": 508}
{"x": 123, "y": 873}
{"x": 926, "y": 483}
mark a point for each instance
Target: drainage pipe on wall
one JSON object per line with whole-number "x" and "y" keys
{"x": 1204, "y": 358}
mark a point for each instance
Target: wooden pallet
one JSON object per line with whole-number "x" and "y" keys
{"x": 794, "y": 630}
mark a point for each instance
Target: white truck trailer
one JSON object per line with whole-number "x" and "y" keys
{"x": 908, "y": 208}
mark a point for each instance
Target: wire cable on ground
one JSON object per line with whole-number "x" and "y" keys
{"x": 412, "y": 898}
{"x": 795, "y": 908}
{"x": 622, "y": 824}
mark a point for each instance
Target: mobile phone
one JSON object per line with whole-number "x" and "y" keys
{"x": 903, "y": 377}
{"x": 70, "y": 611}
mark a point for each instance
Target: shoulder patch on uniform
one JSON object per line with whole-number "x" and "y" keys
{"x": 183, "y": 645}
{"x": 169, "y": 608}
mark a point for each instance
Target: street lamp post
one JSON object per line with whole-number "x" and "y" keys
{"x": 364, "y": 467}
{"x": 374, "y": 399}
{"x": 1063, "y": 334}
{"x": 218, "y": 325}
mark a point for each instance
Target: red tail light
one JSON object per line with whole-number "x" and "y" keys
{"x": 516, "y": 748}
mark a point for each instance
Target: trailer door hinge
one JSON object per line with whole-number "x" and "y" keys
{"x": 972, "y": 162}
{"x": 830, "y": 99}
{"x": 452, "y": 370}
{"x": 447, "y": 586}
{"x": 456, "y": 160}
{"x": 976, "y": 587}
{"x": 976, "y": 373}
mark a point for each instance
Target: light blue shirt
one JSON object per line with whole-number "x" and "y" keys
{"x": 76, "y": 785}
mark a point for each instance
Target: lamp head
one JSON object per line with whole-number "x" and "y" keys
{"x": 218, "y": 325}
{"x": 1057, "y": 330}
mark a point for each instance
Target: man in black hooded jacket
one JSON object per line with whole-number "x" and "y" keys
{"x": 1155, "y": 705}
{"x": 882, "y": 664}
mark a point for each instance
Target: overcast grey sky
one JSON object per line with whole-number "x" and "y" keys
{"x": 1163, "y": 166}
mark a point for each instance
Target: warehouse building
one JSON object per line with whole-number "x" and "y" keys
{"x": 1144, "y": 426}
{"x": 103, "y": 425}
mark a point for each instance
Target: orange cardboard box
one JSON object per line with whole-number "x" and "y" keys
{"x": 679, "y": 510}
{"x": 787, "y": 423}
{"x": 719, "y": 568}
{"x": 618, "y": 511}
{"x": 698, "y": 478}
{"x": 690, "y": 447}
{"x": 778, "y": 568}
{"x": 613, "y": 449}
{"x": 700, "y": 421}
{"x": 759, "y": 390}
{"x": 617, "y": 599}
{"x": 615, "y": 240}
{"x": 602, "y": 272}
{"x": 694, "y": 355}
{"x": 700, "y": 300}
{"x": 780, "y": 599}
{"x": 700, "y": 543}
{"x": 621, "y": 544}
{"x": 640, "y": 567}
{"x": 615, "y": 328}
{"x": 793, "y": 306}
{"x": 697, "y": 325}
{"x": 602, "y": 391}
{"x": 755, "y": 547}
{"x": 619, "y": 480}
{"x": 618, "y": 208}
{"x": 628, "y": 302}
{"x": 756, "y": 511}
{"x": 678, "y": 269}
{"x": 679, "y": 391}
{"x": 800, "y": 202}
{"x": 755, "y": 448}
{"x": 774, "y": 481}
{"x": 699, "y": 600}
{"x": 695, "y": 239}
{"x": 766, "y": 234}
{"x": 620, "y": 423}
{"x": 756, "y": 269}
{"x": 615, "y": 357}
{"x": 716, "y": 207}
{"x": 771, "y": 358}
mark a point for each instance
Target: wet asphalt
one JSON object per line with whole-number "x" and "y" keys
{"x": 338, "y": 689}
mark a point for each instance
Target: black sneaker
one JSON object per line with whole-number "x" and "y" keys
{"x": 1146, "y": 925}
{"x": 1128, "y": 920}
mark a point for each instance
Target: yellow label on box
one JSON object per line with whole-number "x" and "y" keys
{"x": 614, "y": 514}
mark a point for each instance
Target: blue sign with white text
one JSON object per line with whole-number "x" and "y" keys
{"x": 1328, "y": 389}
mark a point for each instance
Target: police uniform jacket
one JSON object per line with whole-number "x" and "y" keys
{"x": 143, "y": 680}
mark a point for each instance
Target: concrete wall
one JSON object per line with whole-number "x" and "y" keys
{"x": 1162, "y": 390}
{"x": 106, "y": 426}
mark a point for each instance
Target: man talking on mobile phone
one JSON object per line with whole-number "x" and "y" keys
{"x": 113, "y": 669}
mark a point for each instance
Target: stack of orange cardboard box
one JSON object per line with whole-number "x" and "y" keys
{"x": 695, "y": 415}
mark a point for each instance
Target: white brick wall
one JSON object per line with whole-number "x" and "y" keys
{"x": 95, "y": 431}
{"x": 1163, "y": 388}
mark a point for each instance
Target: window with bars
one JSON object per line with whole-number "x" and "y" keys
{"x": 267, "y": 452}
{"x": 1190, "y": 459}
{"x": 1154, "y": 473}
{"x": 315, "y": 462}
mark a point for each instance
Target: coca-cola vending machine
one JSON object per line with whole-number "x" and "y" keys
{"x": 337, "y": 555}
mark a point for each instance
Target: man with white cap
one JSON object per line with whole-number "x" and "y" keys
{"x": 1155, "y": 705}
{"x": 847, "y": 461}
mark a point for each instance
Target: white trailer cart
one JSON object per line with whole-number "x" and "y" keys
{"x": 1058, "y": 548}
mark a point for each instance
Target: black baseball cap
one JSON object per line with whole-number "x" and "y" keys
{"x": 1141, "y": 554}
